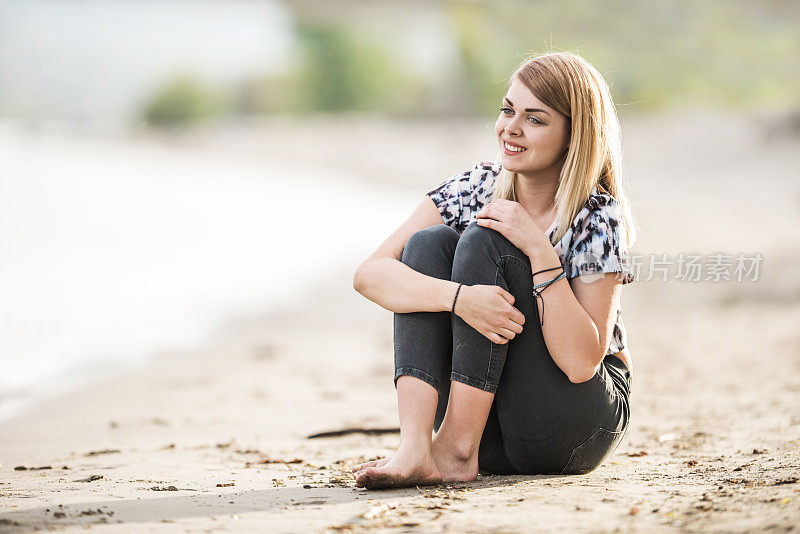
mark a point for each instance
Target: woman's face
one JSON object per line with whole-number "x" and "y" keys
{"x": 539, "y": 134}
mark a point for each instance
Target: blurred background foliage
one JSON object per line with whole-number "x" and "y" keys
{"x": 412, "y": 59}
{"x": 656, "y": 56}
{"x": 185, "y": 100}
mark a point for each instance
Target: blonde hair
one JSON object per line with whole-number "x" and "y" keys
{"x": 572, "y": 86}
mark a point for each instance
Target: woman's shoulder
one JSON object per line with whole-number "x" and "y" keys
{"x": 600, "y": 208}
{"x": 598, "y": 242}
{"x": 601, "y": 200}
{"x": 477, "y": 177}
{"x": 462, "y": 194}
{"x": 488, "y": 167}
{"x": 482, "y": 178}
{"x": 480, "y": 171}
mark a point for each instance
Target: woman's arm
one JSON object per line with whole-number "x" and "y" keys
{"x": 392, "y": 284}
{"x": 386, "y": 281}
{"x": 579, "y": 317}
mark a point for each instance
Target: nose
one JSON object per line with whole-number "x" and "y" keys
{"x": 512, "y": 128}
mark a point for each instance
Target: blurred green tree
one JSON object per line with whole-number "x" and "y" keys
{"x": 182, "y": 102}
{"x": 351, "y": 57}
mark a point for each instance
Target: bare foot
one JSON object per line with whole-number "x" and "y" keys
{"x": 373, "y": 463}
{"x": 408, "y": 467}
{"x": 454, "y": 467}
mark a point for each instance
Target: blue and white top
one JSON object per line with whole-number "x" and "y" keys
{"x": 593, "y": 243}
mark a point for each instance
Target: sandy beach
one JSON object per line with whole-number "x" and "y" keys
{"x": 218, "y": 439}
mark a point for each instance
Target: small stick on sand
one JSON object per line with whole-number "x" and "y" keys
{"x": 355, "y": 430}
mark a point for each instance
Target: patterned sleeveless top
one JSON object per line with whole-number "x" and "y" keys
{"x": 593, "y": 244}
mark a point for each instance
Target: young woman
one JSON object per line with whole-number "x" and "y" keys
{"x": 505, "y": 283}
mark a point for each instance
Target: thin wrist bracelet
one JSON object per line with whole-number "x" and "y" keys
{"x": 545, "y": 270}
{"x": 548, "y": 282}
{"x": 453, "y": 307}
{"x": 545, "y": 285}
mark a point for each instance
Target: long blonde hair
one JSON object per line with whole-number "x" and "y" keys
{"x": 572, "y": 86}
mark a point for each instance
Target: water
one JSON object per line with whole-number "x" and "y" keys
{"x": 113, "y": 252}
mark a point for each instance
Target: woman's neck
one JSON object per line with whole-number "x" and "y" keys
{"x": 536, "y": 196}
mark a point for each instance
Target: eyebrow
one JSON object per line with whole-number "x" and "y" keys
{"x": 526, "y": 109}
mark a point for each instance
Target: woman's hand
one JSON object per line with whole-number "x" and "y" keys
{"x": 510, "y": 219}
{"x": 489, "y": 310}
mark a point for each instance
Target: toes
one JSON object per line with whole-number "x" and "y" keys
{"x": 359, "y": 467}
{"x": 371, "y": 478}
{"x": 377, "y": 478}
{"x": 373, "y": 463}
{"x": 359, "y": 480}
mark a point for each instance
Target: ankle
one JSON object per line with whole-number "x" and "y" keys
{"x": 459, "y": 451}
{"x": 465, "y": 453}
{"x": 415, "y": 443}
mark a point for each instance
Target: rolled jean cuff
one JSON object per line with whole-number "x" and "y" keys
{"x": 474, "y": 382}
{"x": 416, "y": 373}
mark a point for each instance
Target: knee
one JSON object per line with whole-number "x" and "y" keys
{"x": 481, "y": 236}
{"x": 479, "y": 241}
{"x": 477, "y": 244}
{"x": 423, "y": 245}
{"x": 477, "y": 235}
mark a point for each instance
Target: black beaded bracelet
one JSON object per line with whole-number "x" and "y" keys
{"x": 453, "y": 308}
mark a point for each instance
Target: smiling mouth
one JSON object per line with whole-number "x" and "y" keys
{"x": 512, "y": 148}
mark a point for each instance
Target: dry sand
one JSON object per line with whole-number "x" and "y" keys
{"x": 218, "y": 440}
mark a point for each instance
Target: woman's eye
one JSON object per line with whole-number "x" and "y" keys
{"x": 504, "y": 109}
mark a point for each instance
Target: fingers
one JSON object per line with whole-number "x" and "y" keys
{"x": 500, "y": 340}
{"x": 502, "y": 205}
{"x": 514, "y": 314}
{"x": 506, "y": 333}
{"x": 506, "y": 295}
{"x": 488, "y": 210}
{"x": 518, "y": 317}
{"x": 512, "y": 325}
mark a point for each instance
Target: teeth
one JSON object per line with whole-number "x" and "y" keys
{"x": 514, "y": 148}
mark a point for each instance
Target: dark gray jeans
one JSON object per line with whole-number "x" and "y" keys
{"x": 539, "y": 422}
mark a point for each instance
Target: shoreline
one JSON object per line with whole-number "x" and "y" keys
{"x": 118, "y": 251}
